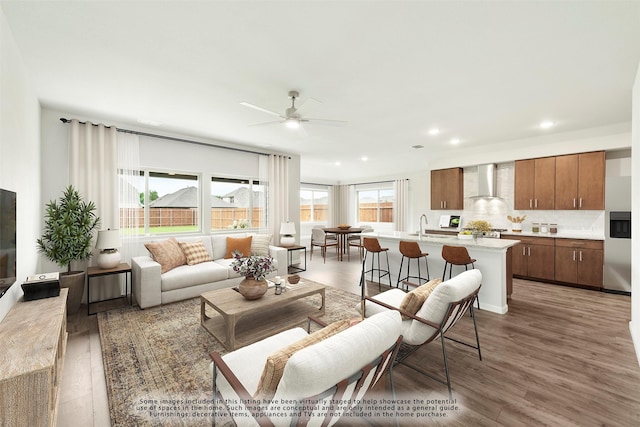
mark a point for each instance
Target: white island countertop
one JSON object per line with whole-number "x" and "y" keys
{"x": 443, "y": 239}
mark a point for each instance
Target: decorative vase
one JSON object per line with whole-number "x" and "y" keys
{"x": 251, "y": 288}
{"x": 75, "y": 282}
{"x": 516, "y": 227}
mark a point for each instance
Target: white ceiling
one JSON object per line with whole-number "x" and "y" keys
{"x": 483, "y": 72}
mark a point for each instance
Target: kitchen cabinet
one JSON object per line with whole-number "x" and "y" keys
{"x": 533, "y": 257}
{"x": 580, "y": 181}
{"x": 447, "y": 189}
{"x": 535, "y": 183}
{"x": 579, "y": 262}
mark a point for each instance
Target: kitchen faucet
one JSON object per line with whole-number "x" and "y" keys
{"x": 420, "y": 229}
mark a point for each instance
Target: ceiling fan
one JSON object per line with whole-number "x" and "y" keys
{"x": 291, "y": 118}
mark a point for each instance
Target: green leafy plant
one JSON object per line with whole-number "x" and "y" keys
{"x": 69, "y": 227}
{"x": 253, "y": 266}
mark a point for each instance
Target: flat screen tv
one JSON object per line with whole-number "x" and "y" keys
{"x": 7, "y": 240}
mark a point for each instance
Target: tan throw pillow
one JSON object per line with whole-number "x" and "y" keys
{"x": 413, "y": 300}
{"x": 274, "y": 366}
{"x": 195, "y": 252}
{"x": 240, "y": 244}
{"x": 260, "y": 244}
{"x": 167, "y": 253}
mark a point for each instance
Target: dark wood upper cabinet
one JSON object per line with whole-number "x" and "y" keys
{"x": 535, "y": 183}
{"x": 580, "y": 181}
{"x": 447, "y": 189}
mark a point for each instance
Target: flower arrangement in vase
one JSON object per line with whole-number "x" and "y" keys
{"x": 255, "y": 269}
{"x": 240, "y": 223}
{"x": 516, "y": 222}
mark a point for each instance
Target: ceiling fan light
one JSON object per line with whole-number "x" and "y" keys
{"x": 292, "y": 123}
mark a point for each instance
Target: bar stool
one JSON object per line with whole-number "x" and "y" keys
{"x": 457, "y": 255}
{"x": 411, "y": 250}
{"x": 372, "y": 246}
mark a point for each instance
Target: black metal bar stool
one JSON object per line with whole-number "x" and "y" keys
{"x": 411, "y": 250}
{"x": 457, "y": 255}
{"x": 372, "y": 246}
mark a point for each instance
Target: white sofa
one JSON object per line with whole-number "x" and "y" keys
{"x": 152, "y": 288}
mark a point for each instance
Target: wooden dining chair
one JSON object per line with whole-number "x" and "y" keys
{"x": 319, "y": 238}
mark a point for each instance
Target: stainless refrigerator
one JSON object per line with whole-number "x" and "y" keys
{"x": 617, "y": 242}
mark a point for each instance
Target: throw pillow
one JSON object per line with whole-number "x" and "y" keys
{"x": 260, "y": 244}
{"x": 414, "y": 299}
{"x": 274, "y": 366}
{"x": 167, "y": 253}
{"x": 195, "y": 252}
{"x": 240, "y": 244}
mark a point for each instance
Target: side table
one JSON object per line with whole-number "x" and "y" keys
{"x": 293, "y": 268}
{"x": 97, "y": 272}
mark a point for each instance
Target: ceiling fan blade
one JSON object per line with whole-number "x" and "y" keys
{"x": 325, "y": 121}
{"x": 267, "y": 123}
{"x": 264, "y": 110}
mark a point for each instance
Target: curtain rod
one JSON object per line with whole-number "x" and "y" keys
{"x": 171, "y": 138}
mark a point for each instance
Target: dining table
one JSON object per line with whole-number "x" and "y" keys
{"x": 343, "y": 236}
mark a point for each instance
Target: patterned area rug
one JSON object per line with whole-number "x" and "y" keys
{"x": 156, "y": 361}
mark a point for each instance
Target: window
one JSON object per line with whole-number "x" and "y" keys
{"x": 314, "y": 205}
{"x": 375, "y": 205}
{"x": 159, "y": 202}
{"x": 237, "y": 203}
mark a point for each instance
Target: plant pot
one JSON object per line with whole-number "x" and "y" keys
{"x": 251, "y": 288}
{"x": 74, "y": 281}
{"x": 516, "y": 227}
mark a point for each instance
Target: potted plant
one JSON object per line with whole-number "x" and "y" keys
{"x": 69, "y": 227}
{"x": 255, "y": 269}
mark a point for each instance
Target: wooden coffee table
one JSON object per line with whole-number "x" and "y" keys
{"x": 237, "y": 322}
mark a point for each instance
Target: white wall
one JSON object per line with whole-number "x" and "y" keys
{"x": 19, "y": 156}
{"x": 634, "y": 325}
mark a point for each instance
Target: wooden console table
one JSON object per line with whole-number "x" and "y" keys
{"x": 33, "y": 339}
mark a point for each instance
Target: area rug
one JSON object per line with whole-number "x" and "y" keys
{"x": 156, "y": 361}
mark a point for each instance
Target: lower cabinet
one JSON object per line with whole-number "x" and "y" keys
{"x": 579, "y": 262}
{"x": 534, "y": 257}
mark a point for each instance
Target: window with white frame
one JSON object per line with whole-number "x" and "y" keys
{"x": 167, "y": 203}
{"x": 237, "y": 203}
{"x": 314, "y": 203}
{"x": 375, "y": 202}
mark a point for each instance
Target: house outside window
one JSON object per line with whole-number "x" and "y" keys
{"x": 237, "y": 203}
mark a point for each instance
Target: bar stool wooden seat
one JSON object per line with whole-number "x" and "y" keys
{"x": 372, "y": 248}
{"x": 411, "y": 250}
{"x": 457, "y": 255}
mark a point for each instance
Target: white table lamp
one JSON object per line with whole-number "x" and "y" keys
{"x": 287, "y": 233}
{"x": 108, "y": 241}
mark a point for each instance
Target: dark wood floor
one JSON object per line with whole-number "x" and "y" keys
{"x": 560, "y": 357}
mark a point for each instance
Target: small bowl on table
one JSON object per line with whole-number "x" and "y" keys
{"x": 344, "y": 227}
{"x": 293, "y": 279}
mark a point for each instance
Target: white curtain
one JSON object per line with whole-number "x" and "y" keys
{"x": 274, "y": 171}
{"x": 339, "y": 196}
{"x": 401, "y": 208}
{"x": 93, "y": 172}
{"x": 130, "y": 186}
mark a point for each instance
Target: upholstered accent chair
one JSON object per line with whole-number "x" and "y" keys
{"x": 342, "y": 368}
{"x": 441, "y": 310}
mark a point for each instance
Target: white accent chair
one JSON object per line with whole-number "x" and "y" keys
{"x": 342, "y": 368}
{"x": 447, "y": 304}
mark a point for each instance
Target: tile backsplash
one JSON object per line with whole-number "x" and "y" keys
{"x": 496, "y": 210}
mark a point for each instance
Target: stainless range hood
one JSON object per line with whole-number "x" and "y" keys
{"x": 487, "y": 181}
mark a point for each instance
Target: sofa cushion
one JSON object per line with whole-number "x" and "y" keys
{"x": 240, "y": 244}
{"x": 167, "y": 253}
{"x": 226, "y": 263}
{"x": 274, "y": 366}
{"x": 185, "y": 276}
{"x": 195, "y": 252}
{"x": 260, "y": 244}
{"x": 413, "y": 300}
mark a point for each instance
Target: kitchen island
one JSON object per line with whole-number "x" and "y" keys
{"x": 493, "y": 260}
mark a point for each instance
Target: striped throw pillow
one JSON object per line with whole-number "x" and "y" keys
{"x": 195, "y": 252}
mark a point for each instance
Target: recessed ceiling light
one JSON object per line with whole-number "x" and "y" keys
{"x": 417, "y": 146}
{"x": 337, "y": 163}
{"x": 455, "y": 141}
{"x": 434, "y": 131}
{"x": 546, "y": 124}
{"x": 364, "y": 158}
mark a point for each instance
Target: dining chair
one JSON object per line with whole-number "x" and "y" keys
{"x": 319, "y": 238}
